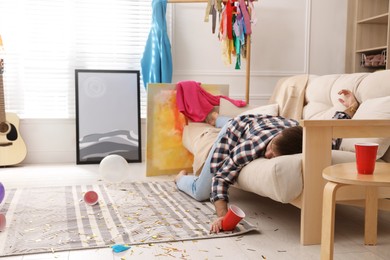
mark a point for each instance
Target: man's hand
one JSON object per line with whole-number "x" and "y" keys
{"x": 349, "y": 99}
{"x": 349, "y": 102}
{"x": 216, "y": 226}
{"x": 221, "y": 210}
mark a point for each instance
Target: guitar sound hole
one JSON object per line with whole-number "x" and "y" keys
{"x": 13, "y": 134}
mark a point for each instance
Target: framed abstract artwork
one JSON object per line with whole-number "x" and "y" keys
{"x": 107, "y": 115}
{"x": 165, "y": 153}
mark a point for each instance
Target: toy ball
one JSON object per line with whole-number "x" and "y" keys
{"x": 3, "y": 222}
{"x": 91, "y": 197}
{"x": 114, "y": 168}
{"x": 2, "y": 192}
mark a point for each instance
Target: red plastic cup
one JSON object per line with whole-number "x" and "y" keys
{"x": 91, "y": 197}
{"x": 3, "y": 222}
{"x": 232, "y": 218}
{"x": 366, "y": 157}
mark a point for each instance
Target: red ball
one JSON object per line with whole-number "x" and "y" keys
{"x": 91, "y": 197}
{"x": 3, "y": 222}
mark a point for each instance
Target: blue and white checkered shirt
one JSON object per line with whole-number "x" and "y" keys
{"x": 245, "y": 140}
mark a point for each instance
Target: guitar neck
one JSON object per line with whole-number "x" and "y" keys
{"x": 2, "y": 103}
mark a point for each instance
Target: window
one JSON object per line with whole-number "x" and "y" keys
{"x": 46, "y": 40}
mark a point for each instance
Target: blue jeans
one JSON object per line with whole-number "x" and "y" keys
{"x": 199, "y": 187}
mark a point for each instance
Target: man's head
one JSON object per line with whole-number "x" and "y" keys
{"x": 289, "y": 141}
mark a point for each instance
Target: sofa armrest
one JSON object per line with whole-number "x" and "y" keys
{"x": 317, "y": 139}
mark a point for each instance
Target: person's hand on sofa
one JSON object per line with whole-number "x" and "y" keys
{"x": 349, "y": 101}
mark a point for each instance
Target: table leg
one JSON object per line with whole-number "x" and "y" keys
{"x": 328, "y": 214}
{"x": 371, "y": 216}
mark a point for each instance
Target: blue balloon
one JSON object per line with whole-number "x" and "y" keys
{"x": 2, "y": 192}
{"x": 119, "y": 248}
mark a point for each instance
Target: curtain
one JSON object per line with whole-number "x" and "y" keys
{"x": 46, "y": 40}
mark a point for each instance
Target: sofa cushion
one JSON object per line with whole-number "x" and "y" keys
{"x": 374, "y": 108}
{"x": 322, "y": 94}
{"x": 280, "y": 178}
{"x": 271, "y": 109}
{"x": 226, "y": 108}
{"x": 289, "y": 94}
{"x": 192, "y": 132}
{"x": 375, "y": 85}
{"x": 198, "y": 138}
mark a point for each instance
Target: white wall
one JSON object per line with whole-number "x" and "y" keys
{"x": 279, "y": 47}
{"x": 328, "y": 36}
{"x": 291, "y": 37}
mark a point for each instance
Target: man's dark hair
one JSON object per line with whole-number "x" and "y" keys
{"x": 290, "y": 141}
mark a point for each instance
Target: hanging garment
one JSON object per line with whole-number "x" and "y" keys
{"x": 156, "y": 63}
{"x": 229, "y": 20}
{"x": 232, "y": 32}
{"x": 226, "y": 43}
{"x": 247, "y": 19}
{"x": 196, "y": 103}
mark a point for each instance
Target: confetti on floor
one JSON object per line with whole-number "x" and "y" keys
{"x": 52, "y": 219}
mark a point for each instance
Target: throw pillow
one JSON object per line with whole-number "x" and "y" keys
{"x": 271, "y": 109}
{"x": 375, "y": 108}
{"x": 226, "y": 108}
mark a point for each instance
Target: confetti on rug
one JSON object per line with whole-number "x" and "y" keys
{"x": 52, "y": 219}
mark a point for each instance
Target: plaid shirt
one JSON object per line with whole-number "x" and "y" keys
{"x": 246, "y": 138}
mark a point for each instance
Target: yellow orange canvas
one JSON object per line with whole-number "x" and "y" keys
{"x": 165, "y": 153}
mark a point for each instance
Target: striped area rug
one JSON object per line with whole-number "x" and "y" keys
{"x": 52, "y": 219}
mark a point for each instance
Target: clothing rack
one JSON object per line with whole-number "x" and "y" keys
{"x": 248, "y": 48}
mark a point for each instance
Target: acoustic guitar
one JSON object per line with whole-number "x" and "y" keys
{"x": 12, "y": 147}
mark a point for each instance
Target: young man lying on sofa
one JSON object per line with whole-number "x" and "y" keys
{"x": 241, "y": 140}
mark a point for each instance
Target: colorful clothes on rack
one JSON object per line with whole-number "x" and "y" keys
{"x": 235, "y": 26}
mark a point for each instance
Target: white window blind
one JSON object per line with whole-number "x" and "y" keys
{"x": 46, "y": 40}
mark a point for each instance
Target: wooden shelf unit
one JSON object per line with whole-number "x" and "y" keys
{"x": 368, "y": 33}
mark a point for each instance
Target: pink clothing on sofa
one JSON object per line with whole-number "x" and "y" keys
{"x": 195, "y": 102}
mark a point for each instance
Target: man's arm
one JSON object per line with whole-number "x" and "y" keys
{"x": 351, "y": 106}
{"x": 219, "y": 196}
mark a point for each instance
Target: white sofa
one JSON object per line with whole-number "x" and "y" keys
{"x": 297, "y": 179}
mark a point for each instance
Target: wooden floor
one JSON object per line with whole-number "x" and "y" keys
{"x": 278, "y": 224}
